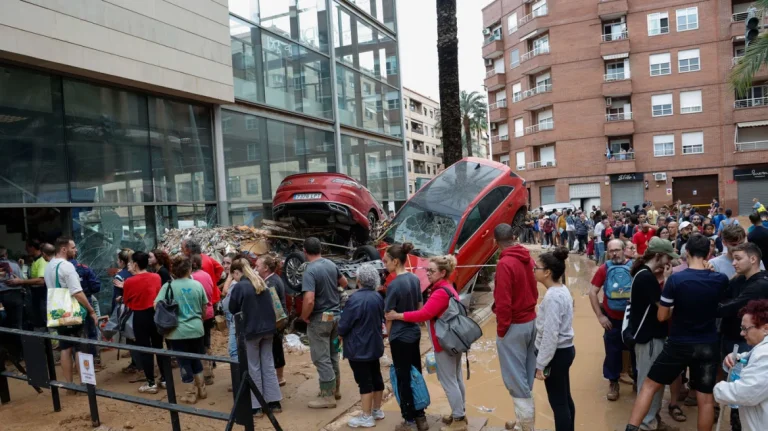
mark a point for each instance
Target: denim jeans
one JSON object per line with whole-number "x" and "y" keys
{"x": 599, "y": 251}
{"x": 232, "y": 345}
{"x": 91, "y": 331}
{"x": 189, "y": 367}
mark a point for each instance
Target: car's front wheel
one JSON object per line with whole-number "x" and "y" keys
{"x": 293, "y": 269}
{"x": 518, "y": 223}
{"x": 372, "y": 219}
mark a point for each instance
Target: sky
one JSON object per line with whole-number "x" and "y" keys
{"x": 417, "y": 28}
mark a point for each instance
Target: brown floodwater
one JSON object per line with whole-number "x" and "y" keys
{"x": 487, "y": 396}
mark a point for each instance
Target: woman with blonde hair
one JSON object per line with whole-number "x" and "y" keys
{"x": 250, "y": 295}
{"x": 448, "y": 366}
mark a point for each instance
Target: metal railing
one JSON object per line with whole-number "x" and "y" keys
{"x": 498, "y": 105}
{"x": 736, "y": 60}
{"x": 538, "y": 12}
{"x": 543, "y": 125}
{"x": 534, "y": 52}
{"x": 491, "y": 73}
{"x": 542, "y": 164}
{"x": 621, "y": 157}
{"x": 621, "y": 116}
{"x": 491, "y": 39}
{"x": 541, "y": 88}
{"x": 752, "y": 146}
{"x": 751, "y": 103}
{"x": 612, "y": 37}
{"x": 615, "y": 76}
{"x": 499, "y": 138}
{"x": 690, "y": 109}
{"x": 742, "y": 16}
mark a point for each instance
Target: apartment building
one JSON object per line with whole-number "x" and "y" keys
{"x": 647, "y": 81}
{"x": 423, "y": 144}
{"x": 120, "y": 119}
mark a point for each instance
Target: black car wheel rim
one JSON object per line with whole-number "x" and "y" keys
{"x": 292, "y": 271}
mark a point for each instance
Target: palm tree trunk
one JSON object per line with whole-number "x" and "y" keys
{"x": 468, "y": 134}
{"x": 448, "y": 64}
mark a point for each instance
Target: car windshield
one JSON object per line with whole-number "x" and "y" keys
{"x": 430, "y": 219}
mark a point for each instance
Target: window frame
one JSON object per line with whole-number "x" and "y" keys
{"x": 660, "y": 65}
{"x": 700, "y": 106}
{"x": 659, "y": 16}
{"x": 671, "y": 106}
{"x": 682, "y": 142}
{"x": 688, "y": 69}
{"x": 656, "y": 154}
{"x": 687, "y": 15}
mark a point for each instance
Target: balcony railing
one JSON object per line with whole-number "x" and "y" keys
{"x": 499, "y": 138}
{"x": 541, "y": 88}
{"x": 611, "y": 37}
{"x": 498, "y": 105}
{"x": 542, "y": 164}
{"x": 621, "y": 116}
{"x": 418, "y": 150}
{"x": 752, "y": 146}
{"x": 615, "y": 76}
{"x": 751, "y": 103}
{"x": 534, "y": 52}
{"x": 538, "y": 12}
{"x": 492, "y": 73}
{"x": 543, "y": 125}
{"x": 620, "y": 157}
{"x": 491, "y": 39}
{"x": 517, "y": 97}
{"x": 736, "y": 60}
{"x": 742, "y": 16}
{"x": 520, "y": 167}
{"x": 690, "y": 109}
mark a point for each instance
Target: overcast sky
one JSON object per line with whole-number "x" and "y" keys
{"x": 417, "y": 25}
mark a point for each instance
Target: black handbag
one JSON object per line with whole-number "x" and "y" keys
{"x": 166, "y": 318}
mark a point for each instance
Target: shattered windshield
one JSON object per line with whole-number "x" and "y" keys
{"x": 430, "y": 219}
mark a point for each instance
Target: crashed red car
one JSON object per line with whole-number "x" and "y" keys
{"x": 455, "y": 213}
{"x": 317, "y": 200}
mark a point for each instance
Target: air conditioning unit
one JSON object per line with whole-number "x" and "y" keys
{"x": 489, "y": 62}
{"x": 608, "y": 101}
{"x": 660, "y": 176}
{"x": 493, "y": 126}
{"x": 486, "y": 31}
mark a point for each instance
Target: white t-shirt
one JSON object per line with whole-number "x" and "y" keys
{"x": 724, "y": 266}
{"x": 68, "y": 277}
{"x": 599, "y": 228}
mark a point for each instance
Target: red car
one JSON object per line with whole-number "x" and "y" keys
{"x": 320, "y": 200}
{"x": 455, "y": 213}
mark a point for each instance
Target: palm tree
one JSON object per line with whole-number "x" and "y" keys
{"x": 479, "y": 124}
{"x": 472, "y": 105}
{"x": 448, "y": 64}
{"x": 755, "y": 57}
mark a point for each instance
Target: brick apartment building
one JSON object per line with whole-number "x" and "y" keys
{"x": 648, "y": 79}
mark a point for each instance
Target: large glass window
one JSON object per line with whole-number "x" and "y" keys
{"x": 376, "y": 110}
{"x": 107, "y": 143}
{"x": 259, "y": 153}
{"x": 382, "y": 10}
{"x": 361, "y": 46}
{"x": 182, "y": 151}
{"x": 303, "y": 21}
{"x": 271, "y": 70}
{"x": 35, "y": 168}
{"x": 379, "y": 166}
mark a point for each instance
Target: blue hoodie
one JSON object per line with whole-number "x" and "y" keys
{"x": 360, "y": 326}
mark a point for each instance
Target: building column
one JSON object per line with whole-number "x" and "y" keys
{"x": 220, "y": 172}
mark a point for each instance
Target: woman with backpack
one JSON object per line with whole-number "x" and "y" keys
{"x": 554, "y": 337}
{"x": 448, "y": 367}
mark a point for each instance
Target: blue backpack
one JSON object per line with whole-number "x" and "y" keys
{"x": 618, "y": 285}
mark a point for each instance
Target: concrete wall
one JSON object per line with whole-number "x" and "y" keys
{"x": 178, "y": 47}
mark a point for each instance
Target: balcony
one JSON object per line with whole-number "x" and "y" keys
{"x": 751, "y": 146}
{"x": 542, "y": 164}
{"x": 418, "y": 150}
{"x": 761, "y": 74}
{"x": 499, "y": 138}
{"x": 611, "y": 9}
{"x": 495, "y": 80}
{"x": 750, "y": 103}
{"x": 619, "y": 124}
{"x": 737, "y": 22}
{"x": 621, "y": 163}
{"x": 493, "y": 48}
{"x": 543, "y": 125}
{"x": 613, "y": 44}
{"x": 500, "y": 147}
{"x": 617, "y": 84}
{"x": 535, "y": 61}
{"x": 542, "y": 88}
{"x": 537, "y": 97}
{"x": 536, "y": 21}
{"x": 497, "y": 112}
{"x": 542, "y": 11}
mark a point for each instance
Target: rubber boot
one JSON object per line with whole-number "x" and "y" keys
{"x": 208, "y": 369}
{"x": 190, "y": 394}
{"x": 457, "y": 425}
{"x": 201, "y": 392}
{"x": 525, "y": 412}
{"x": 326, "y": 398}
{"x": 337, "y": 392}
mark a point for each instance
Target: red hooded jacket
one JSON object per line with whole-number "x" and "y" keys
{"x": 515, "y": 293}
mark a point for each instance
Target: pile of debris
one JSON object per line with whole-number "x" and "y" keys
{"x": 220, "y": 241}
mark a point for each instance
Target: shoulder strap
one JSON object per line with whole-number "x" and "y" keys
{"x": 647, "y": 309}
{"x": 57, "y": 283}
{"x": 169, "y": 292}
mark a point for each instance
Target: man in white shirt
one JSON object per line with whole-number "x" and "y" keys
{"x": 732, "y": 235}
{"x": 599, "y": 244}
{"x": 67, "y": 279}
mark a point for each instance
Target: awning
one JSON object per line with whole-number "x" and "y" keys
{"x": 616, "y": 56}
{"x": 752, "y": 124}
{"x": 530, "y": 35}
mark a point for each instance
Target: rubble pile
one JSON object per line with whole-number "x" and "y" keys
{"x": 220, "y": 241}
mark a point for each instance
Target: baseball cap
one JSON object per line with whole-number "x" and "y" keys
{"x": 684, "y": 225}
{"x": 658, "y": 245}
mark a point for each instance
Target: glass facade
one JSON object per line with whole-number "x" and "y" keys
{"x": 379, "y": 166}
{"x": 303, "y": 21}
{"x": 382, "y": 10}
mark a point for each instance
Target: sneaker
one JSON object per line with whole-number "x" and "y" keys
{"x": 613, "y": 391}
{"x": 457, "y": 425}
{"x": 275, "y": 407}
{"x": 148, "y": 389}
{"x": 163, "y": 385}
{"x": 362, "y": 421}
{"x": 377, "y": 414}
{"x": 257, "y": 413}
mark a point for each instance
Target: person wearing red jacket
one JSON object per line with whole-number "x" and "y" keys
{"x": 210, "y": 265}
{"x": 449, "y": 372}
{"x": 515, "y": 295}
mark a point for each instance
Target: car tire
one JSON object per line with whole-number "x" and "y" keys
{"x": 366, "y": 253}
{"x": 518, "y": 223}
{"x": 291, "y": 270}
{"x": 372, "y": 219}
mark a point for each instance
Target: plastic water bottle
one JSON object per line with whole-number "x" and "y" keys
{"x": 735, "y": 373}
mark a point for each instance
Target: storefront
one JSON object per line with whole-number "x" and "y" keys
{"x": 547, "y": 195}
{"x": 696, "y": 190}
{"x": 585, "y": 195}
{"x": 752, "y": 183}
{"x": 627, "y": 188}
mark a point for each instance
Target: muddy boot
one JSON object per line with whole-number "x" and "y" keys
{"x": 201, "y": 392}
{"x": 447, "y": 419}
{"x": 510, "y": 425}
{"x": 190, "y": 395}
{"x": 457, "y": 425}
{"x": 208, "y": 370}
{"x": 326, "y": 398}
{"x": 337, "y": 392}
{"x": 613, "y": 391}
{"x": 525, "y": 413}
{"x": 421, "y": 424}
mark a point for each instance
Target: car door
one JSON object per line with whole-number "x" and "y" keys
{"x": 475, "y": 245}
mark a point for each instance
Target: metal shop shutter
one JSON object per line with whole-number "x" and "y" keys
{"x": 705, "y": 186}
{"x": 547, "y": 195}
{"x": 629, "y": 192}
{"x": 752, "y": 189}
{"x": 591, "y": 190}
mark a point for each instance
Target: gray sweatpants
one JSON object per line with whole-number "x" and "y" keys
{"x": 646, "y": 355}
{"x": 517, "y": 357}
{"x": 261, "y": 367}
{"x": 324, "y": 356}
{"x": 452, "y": 380}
